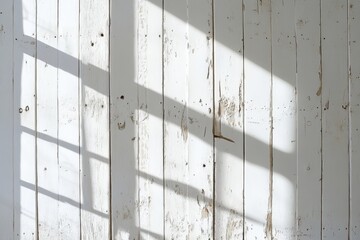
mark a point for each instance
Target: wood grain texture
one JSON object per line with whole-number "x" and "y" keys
{"x": 335, "y": 121}
{"x": 25, "y": 200}
{"x": 229, "y": 114}
{"x": 258, "y": 120}
{"x": 188, "y": 151}
{"x": 150, "y": 122}
{"x": 6, "y": 120}
{"x": 284, "y": 118}
{"x": 124, "y": 120}
{"x": 309, "y": 91}
{"x": 207, "y": 119}
{"x": 68, "y": 120}
{"x": 354, "y": 107}
{"x": 94, "y": 132}
{"x": 47, "y": 119}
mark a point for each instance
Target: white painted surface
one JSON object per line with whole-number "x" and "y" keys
{"x": 24, "y": 188}
{"x": 188, "y": 151}
{"x": 284, "y": 119}
{"x": 188, "y": 119}
{"x": 229, "y": 114}
{"x": 354, "y": 70}
{"x": 309, "y": 89}
{"x": 47, "y": 119}
{"x": 335, "y": 121}
{"x": 68, "y": 120}
{"x": 150, "y": 125}
{"x": 94, "y": 123}
{"x": 124, "y": 103}
{"x": 258, "y": 120}
{"x": 6, "y": 121}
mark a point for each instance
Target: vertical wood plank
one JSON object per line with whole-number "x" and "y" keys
{"x": 150, "y": 124}
{"x": 354, "y": 58}
{"x": 124, "y": 119}
{"x": 47, "y": 119}
{"x": 6, "y": 120}
{"x": 199, "y": 120}
{"x": 68, "y": 120}
{"x": 335, "y": 104}
{"x": 94, "y": 133}
{"x": 176, "y": 160}
{"x": 258, "y": 139}
{"x": 24, "y": 120}
{"x": 284, "y": 118}
{"x": 229, "y": 96}
{"x": 188, "y": 140}
{"x": 309, "y": 90}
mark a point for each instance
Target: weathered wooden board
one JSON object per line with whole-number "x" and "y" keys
{"x": 258, "y": 120}
{"x": 94, "y": 132}
{"x": 124, "y": 132}
{"x": 68, "y": 120}
{"x": 354, "y": 101}
{"x": 207, "y": 119}
{"x": 25, "y": 183}
{"x": 150, "y": 119}
{"x": 197, "y": 119}
{"x": 283, "y": 67}
{"x": 309, "y": 90}
{"x": 228, "y": 128}
{"x": 188, "y": 140}
{"x": 47, "y": 119}
{"x": 6, "y": 120}
{"x": 335, "y": 121}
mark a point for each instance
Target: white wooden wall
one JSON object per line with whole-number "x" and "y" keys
{"x": 180, "y": 119}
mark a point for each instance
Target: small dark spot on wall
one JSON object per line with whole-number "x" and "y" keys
{"x": 326, "y": 105}
{"x": 122, "y": 97}
{"x": 20, "y": 110}
{"x": 102, "y": 106}
{"x": 27, "y": 108}
{"x": 92, "y": 44}
{"x": 101, "y": 35}
{"x": 121, "y": 125}
{"x": 204, "y": 165}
